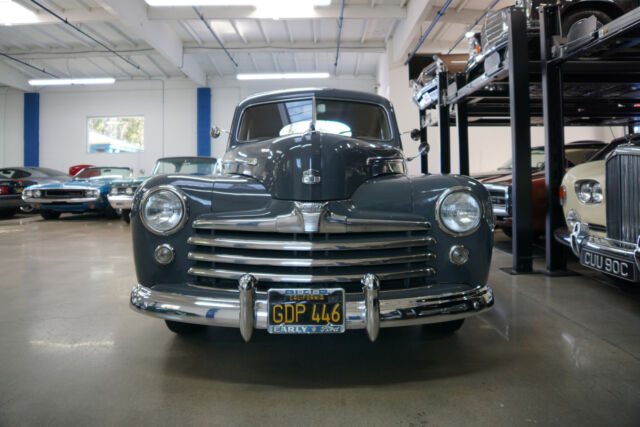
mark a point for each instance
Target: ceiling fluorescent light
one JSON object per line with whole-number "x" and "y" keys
{"x": 12, "y": 13}
{"x": 228, "y": 3}
{"x": 279, "y": 76}
{"x": 71, "y": 82}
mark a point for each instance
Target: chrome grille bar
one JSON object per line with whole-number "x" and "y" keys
{"x": 311, "y": 262}
{"x": 307, "y": 278}
{"x": 281, "y": 244}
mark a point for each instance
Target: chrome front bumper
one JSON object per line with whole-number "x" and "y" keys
{"x": 120, "y": 201}
{"x": 371, "y": 309}
{"x": 580, "y": 239}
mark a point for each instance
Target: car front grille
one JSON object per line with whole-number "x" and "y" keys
{"x": 494, "y": 30}
{"x": 123, "y": 189}
{"x": 500, "y": 199}
{"x": 63, "y": 194}
{"x": 623, "y": 195}
{"x": 400, "y": 259}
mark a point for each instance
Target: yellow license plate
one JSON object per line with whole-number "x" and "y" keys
{"x": 306, "y": 311}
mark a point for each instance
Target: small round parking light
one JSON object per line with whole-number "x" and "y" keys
{"x": 164, "y": 254}
{"x": 459, "y": 255}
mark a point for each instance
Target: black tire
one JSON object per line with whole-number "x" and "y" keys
{"x": 569, "y": 19}
{"x": 8, "y": 213}
{"x": 126, "y": 215}
{"x": 444, "y": 328}
{"x": 183, "y": 328}
{"x": 111, "y": 213}
{"x": 46, "y": 214}
{"x": 508, "y": 231}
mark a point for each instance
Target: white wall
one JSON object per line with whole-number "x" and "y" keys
{"x": 11, "y": 127}
{"x": 489, "y": 147}
{"x": 227, "y": 93}
{"x": 170, "y": 122}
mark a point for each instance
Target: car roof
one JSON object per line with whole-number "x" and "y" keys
{"x": 280, "y": 95}
{"x": 187, "y": 158}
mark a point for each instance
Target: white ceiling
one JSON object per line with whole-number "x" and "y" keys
{"x": 173, "y": 42}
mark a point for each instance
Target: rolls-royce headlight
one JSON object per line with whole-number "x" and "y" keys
{"x": 458, "y": 212}
{"x": 163, "y": 210}
{"x": 589, "y": 191}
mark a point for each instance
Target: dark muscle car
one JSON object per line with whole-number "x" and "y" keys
{"x": 13, "y": 181}
{"x": 311, "y": 225}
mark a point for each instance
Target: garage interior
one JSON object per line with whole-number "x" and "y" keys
{"x": 561, "y": 344}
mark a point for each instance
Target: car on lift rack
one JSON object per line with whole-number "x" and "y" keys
{"x": 13, "y": 181}
{"x": 121, "y": 193}
{"x": 86, "y": 192}
{"x": 486, "y": 47}
{"x": 499, "y": 184}
{"x": 601, "y": 203}
{"x": 312, "y": 225}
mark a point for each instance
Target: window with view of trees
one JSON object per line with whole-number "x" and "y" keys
{"x": 115, "y": 134}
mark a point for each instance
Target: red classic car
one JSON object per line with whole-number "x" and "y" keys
{"x": 499, "y": 183}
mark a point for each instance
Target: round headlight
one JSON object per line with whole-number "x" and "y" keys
{"x": 459, "y": 212}
{"x": 162, "y": 210}
{"x": 129, "y": 190}
{"x": 37, "y": 193}
{"x": 596, "y": 193}
{"x": 113, "y": 191}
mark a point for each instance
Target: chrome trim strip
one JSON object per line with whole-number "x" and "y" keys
{"x": 371, "y": 289}
{"x": 311, "y": 262}
{"x": 56, "y": 200}
{"x": 291, "y": 245}
{"x": 307, "y": 278}
{"x": 305, "y": 220}
{"x": 499, "y": 209}
{"x": 396, "y": 308}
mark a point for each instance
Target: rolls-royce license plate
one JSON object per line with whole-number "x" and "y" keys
{"x": 616, "y": 267}
{"x": 306, "y": 311}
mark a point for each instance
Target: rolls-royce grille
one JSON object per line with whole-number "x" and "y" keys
{"x": 400, "y": 259}
{"x": 63, "y": 194}
{"x": 623, "y": 196}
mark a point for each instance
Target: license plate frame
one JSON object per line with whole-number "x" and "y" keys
{"x": 316, "y": 301}
{"x": 612, "y": 266}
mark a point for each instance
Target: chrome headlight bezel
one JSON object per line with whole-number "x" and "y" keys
{"x": 183, "y": 201}
{"x": 438, "y": 211}
{"x": 589, "y": 192}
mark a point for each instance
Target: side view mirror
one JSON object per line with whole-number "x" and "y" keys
{"x": 415, "y": 134}
{"x": 215, "y": 132}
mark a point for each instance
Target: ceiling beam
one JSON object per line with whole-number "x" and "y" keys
{"x": 407, "y": 32}
{"x": 9, "y": 76}
{"x": 209, "y": 47}
{"x": 329, "y": 12}
{"x": 452, "y": 16}
{"x": 159, "y": 36}
{"x": 73, "y": 16}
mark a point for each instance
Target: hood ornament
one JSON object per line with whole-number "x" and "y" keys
{"x": 311, "y": 176}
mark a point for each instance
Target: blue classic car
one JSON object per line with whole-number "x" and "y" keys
{"x": 121, "y": 194}
{"x": 312, "y": 225}
{"x": 87, "y": 191}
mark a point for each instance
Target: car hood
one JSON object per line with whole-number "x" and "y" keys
{"x": 333, "y": 166}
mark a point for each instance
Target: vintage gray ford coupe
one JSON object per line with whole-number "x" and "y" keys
{"x": 312, "y": 225}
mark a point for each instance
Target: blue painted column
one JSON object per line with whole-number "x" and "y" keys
{"x": 204, "y": 121}
{"x": 32, "y": 129}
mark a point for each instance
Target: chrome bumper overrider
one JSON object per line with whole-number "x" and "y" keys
{"x": 580, "y": 239}
{"x": 371, "y": 309}
{"x": 120, "y": 201}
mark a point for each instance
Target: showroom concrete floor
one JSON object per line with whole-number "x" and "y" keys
{"x": 553, "y": 351}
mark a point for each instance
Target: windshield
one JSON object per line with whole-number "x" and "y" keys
{"x": 537, "y": 161}
{"x": 188, "y": 166}
{"x": 101, "y": 173}
{"x": 348, "y": 118}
